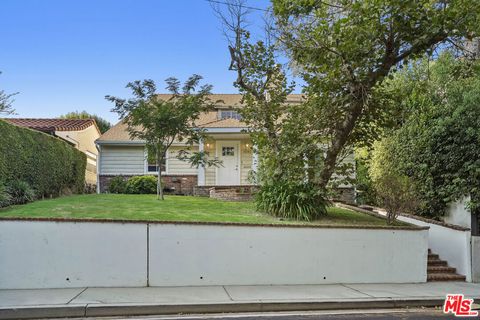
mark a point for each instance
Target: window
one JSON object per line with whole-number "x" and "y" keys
{"x": 228, "y": 151}
{"x": 229, "y": 114}
{"x": 152, "y": 164}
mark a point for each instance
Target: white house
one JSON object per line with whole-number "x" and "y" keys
{"x": 120, "y": 155}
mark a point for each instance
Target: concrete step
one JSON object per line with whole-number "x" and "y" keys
{"x": 445, "y": 277}
{"x": 436, "y": 262}
{"x": 433, "y": 256}
{"x": 440, "y": 269}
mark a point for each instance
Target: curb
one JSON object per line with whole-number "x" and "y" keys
{"x": 104, "y": 310}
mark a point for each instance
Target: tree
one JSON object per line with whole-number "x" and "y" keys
{"x": 436, "y": 145}
{"x": 347, "y": 48}
{"x": 6, "y": 102}
{"x": 393, "y": 189}
{"x": 160, "y": 122}
{"x": 103, "y": 125}
{"x": 288, "y": 158}
{"x": 343, "y": 50}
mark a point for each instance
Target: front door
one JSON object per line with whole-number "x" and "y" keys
{"x": 228, "y": 173}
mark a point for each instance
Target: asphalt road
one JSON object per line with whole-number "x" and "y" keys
{"x": 355, "y": 315}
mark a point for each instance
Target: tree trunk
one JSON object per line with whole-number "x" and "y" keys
{"x": 339, "y": 140}
{"x": 160, "y": 156}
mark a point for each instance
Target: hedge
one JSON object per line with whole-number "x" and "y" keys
{"x": 50, "y": 165}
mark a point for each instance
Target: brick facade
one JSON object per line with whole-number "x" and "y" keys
{"x": 187, "y": 185}
{"x": 173, "y": 184}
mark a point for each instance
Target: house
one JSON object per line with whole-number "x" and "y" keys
{"x": 120, "y": 155}
{"x": 80, "y": 133}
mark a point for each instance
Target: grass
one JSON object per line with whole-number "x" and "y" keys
{"x": 173, "y": 208}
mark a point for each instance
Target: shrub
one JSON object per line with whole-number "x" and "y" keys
{"x": 292, "y": 201}
{"x": 142, "y": 185}
{"x": 117, "y": 185}
{"x": 4, "y": 196}
{"x": 20, "y": 192}
{"x": 395, "y": 195}
{"x": 48, "y": 164}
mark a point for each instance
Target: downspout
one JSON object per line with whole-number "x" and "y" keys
{"x": 99, "y": 149}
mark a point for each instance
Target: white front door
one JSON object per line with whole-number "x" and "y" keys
{"x": 228, "y": 173}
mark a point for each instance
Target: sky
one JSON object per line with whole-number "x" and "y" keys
{"x": 66, "y": 55}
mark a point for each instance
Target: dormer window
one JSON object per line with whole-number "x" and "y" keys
{"x": 229, "y": 114}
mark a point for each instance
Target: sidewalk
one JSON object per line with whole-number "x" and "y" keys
{"x": 81, "y": 302}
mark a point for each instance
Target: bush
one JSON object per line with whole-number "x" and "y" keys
{"x": 117, "y": 185}
{"x": 4, "y": 196}
{"x": 395, "y": 195}
{"x": 292, "y": 201}
{"x": 48, "y": 164}
{"x": 20, "y": 192}
{"x": 142, "y": 185}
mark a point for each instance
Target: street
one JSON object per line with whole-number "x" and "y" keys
{"x": 414, "y": 314}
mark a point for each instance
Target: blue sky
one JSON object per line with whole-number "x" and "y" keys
{"x": 66, "y": 55}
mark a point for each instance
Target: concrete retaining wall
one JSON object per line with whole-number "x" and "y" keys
{"x": 41, "y": 254}
{"x": 54, "y": 254}
{"x": 451, "y": 244}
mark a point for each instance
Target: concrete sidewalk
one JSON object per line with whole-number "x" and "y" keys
{"x": 89, "y": 302}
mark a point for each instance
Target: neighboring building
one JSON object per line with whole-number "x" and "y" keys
{"x": 119, "y": 155}
{"x": 80, "y": 133}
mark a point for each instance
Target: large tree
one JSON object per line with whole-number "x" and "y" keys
{"x": 343, "y": 50}
{"x": 103, "y": 125}
{"x": 162, "y": 121}
{"x": 347, "y": 48}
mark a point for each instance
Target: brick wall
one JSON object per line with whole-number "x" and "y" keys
{"x": 174, "y": 184}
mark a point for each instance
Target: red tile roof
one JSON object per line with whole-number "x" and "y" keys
{"x": 49, "y": 125}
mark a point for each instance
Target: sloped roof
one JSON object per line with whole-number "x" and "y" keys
{"x": 119, "y": 133}
{"x": 50, "y": 125}
{"x": 229, "y": 100}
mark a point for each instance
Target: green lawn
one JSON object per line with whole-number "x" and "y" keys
{"x": 173, "y": 208}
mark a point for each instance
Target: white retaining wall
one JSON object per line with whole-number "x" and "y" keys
{"x": 40, "y": 254}
{"x": 452, "y": 245}
{"x": 43, "y": 254}
{"x": 458, "y": 214}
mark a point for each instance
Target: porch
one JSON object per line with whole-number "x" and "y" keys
{"x": 238, "y": 161}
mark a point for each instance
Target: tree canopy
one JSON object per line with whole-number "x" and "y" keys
{"x": 161, "y": 121}
{"x": 343, "y": 50}
{"x": 103, "y": 125}
{"x": 437, "y": 144}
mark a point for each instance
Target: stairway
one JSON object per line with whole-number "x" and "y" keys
{"x": 438, "y": 270}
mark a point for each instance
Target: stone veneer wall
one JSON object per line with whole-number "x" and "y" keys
{"x": 174, "y": 184}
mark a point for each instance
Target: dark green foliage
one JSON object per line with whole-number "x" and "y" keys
{"x": 102, "y": 124}
{"x": 142, "y": 185}
{"x": 20, "y": 192}
{"x": 363, "y": 181}
{"x": 117, "y": 185}
{"x": 49, "y": 165}
{"x": 292, "y": 201}
{"x": 437, "y": 146}
{"x": 4, "y": 196}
